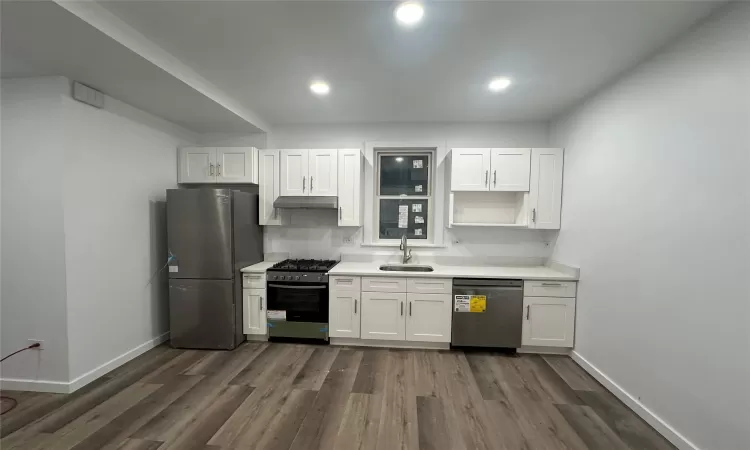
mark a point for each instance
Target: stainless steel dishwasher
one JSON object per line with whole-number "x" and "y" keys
{"x": 487, "y": 313}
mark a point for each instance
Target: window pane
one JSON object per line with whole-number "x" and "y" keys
{"x": 413, "y": 218}
{"x": 404, "y": 175}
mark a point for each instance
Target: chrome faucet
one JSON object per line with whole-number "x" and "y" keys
{"x": 407, "y": 251}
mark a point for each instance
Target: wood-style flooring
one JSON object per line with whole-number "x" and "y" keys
{"x": 301, "y": 397}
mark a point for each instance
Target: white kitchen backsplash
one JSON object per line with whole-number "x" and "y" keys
{"x": 315, "y": 234}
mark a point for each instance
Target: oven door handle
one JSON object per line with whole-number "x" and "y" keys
{"x": 296, "y": 287}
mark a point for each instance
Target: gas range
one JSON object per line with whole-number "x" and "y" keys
{"x": 297, "y": 299}
{"x": 301, "y": 270}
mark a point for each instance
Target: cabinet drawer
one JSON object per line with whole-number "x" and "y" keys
{"x": 383, "y": 284}
{"x": 340, "y": 283}
{"x": 549, "y": 288}
{"x": 254, "y": 281}
{"x": 429, "y": 285}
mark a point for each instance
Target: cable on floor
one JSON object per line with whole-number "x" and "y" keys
{"x": 8, "y": 403}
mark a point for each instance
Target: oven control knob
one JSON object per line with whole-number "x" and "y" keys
{"x": 296, "y": 278}
{"x": 281, "y": 277}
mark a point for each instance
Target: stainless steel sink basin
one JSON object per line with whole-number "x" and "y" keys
{"x": 405, "y": 268}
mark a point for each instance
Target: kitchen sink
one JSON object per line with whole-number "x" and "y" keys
{"x": 406, "y": 268}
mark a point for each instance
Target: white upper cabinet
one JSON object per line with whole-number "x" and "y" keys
{"x": 230, "y": 165}
{"x": 268, "y": 187}
{"x": 236, "y": 165}
{"x": 490, "y": 169}
{"x": 350, "y": 187}
{"x": 294, "y": 172}
{"x": 196, "y": 165}
{"x": 470, "y": 169}
{"x": 510, "y": 169}
{"x": 545, "y": 193}
{"x": 309, "y": 172}
{"x": 323, "y": 172}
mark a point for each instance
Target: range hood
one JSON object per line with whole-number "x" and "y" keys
{"x": 306, "y": 202}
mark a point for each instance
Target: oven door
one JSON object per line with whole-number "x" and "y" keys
{"x": 300, "y": 302}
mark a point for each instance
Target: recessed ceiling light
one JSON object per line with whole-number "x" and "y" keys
{"x": 319, "y": 87}
{"x": 409, "y": 13}
{"x": 499, "y": 84}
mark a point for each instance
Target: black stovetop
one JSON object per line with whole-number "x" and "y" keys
{"x": 304, "y": 265}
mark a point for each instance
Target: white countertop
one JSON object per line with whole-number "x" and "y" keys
{"x": 260, "y": 267}
{"x": 444, "y": 271}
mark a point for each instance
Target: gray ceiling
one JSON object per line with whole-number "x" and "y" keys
{"x": 40, "y": 38}
{"x": 265, "y": 53}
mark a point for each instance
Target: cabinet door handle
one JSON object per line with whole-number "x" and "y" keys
{"x": 533, "y": 215}
{"x": 355, "y": 306}
{"x": 494, "y": 178}
{"x": 260, "y": 303}
{"x": 402, "y": 308}
{"x": 218, "y": 169}
{"x": 527, "y": 311}
{"x": 341, "y": 214}
{"x": 486, "y": 176}
{"x": 303, "y": 184}
{"x": 410, "y": 308}
{"x": 551, "y": 284}
{"x": 311, "y": 184}
{"x": 211, "y": 169}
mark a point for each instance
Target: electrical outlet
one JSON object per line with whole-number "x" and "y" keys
{"x": 36, "y": 341}
{"x": 348, "y": 240}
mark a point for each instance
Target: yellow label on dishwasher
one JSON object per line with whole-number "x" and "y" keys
{"x": 478, "y": 303}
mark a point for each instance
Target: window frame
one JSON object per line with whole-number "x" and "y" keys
{"x": 370, "y": 226}
{"x": 379, "y": 153}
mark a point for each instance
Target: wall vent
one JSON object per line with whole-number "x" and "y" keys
{"x": 88, "y": 95}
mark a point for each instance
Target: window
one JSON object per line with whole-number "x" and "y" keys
{"x": 403, "y": 195}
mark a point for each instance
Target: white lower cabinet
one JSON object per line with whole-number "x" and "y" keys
{"x": 344, "y": 308}
{"x": 396, "y": 315}
{"x": 429, "y": 317}
{"x": 254, "y": 314}
{"x": 548, "y": 321}
{"x": 383, "y": 316}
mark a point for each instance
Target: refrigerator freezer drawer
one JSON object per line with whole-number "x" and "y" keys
{"x": 202, "y": 314}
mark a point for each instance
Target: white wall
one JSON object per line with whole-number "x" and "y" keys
{"x": 257, "y": 140}
{"x": 316, "y": 234}
{"x": 33, "y": 240}
{"x": 83, "y": 231}
{"x": 656, "y": 213}
{"x": 118, "y": 164}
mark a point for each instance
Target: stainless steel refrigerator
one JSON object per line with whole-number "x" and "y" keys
{"x": 211, "y": 234}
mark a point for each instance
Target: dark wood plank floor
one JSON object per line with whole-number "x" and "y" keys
{"x": 288, "y": 396}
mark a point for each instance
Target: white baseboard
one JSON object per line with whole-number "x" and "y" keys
{"x": 17, "y": 384}
{"x": 672, "y": 435}
{"x": 390, "y": 344}
{"x": 544, "y": 350}
{"x": 116, "y": 362}
{"x": 62, "y": 387}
